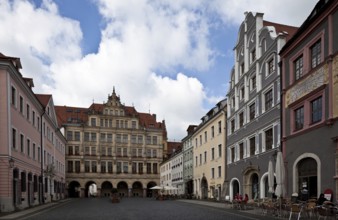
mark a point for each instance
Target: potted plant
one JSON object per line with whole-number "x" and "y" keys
{"x": 115, "y": 198}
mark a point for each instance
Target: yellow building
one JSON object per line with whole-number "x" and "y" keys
{"x": 210, "y": 154}
{"x": 110, "y": 146}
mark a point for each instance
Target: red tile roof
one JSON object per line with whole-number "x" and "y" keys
{"x": 280, "y": 28}
{"x": 66, "y": 114}
{"x": 43, "y": 98}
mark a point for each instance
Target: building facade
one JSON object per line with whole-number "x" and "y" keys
{"x": 188, "y": 161}
{"x": 253, "y": 108}
{"x": 110, "y": 146}
{"x": 209, "y": 140}
{"x": 32, "y": 164}
{"x": 177, "y": 171}
{"x": 310, "y": 103}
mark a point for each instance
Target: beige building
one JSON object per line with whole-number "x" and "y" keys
{"x": 210, "y": 154}
{"x": 109, "y": 146}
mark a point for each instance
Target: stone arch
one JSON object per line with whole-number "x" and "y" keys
{"x": 234, "y": 188}
{"x": 251, "y": 181}
{"x": 74, "y": 189}
{"x": 106, "y": 188}
{"x": 295, "y": 174}
{"x": 122, "y": 188}
{"x": 150, "y": 192}
{"x": 137, "y": 189}
{"x": 89, "y": 185}
{"x": 204, "y": 188}
{"x": 264, "y": 185}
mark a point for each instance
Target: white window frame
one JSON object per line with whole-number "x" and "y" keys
{"x": 263, "y": 97}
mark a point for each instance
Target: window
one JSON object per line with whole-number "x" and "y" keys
{"x": 212, "y": 131}
{"x": 103, "y": 166}
{"x": 140, "y": 168}
{"x": 252, "y": 111}
{"x": 93, "y": 151}
{"x": 133, "y": 167}
{"x": 232, "y": 124}
{"x": 219, "y": 127}
{"x": 242, "y": 93}
{"x": 109, "y": 138}
{"x": 253, "y": 55}
{"x": 219, "y": 171}
{"x": 241, "y": 151}
{"x": 34, "y": 151}
{"x": 86, "y": 136}
{"x": 93, "y": 122}
{"x": 268, "y": 139}
{"x": 241, "y": 70}
{"x": 21, "y": 105}
{"x": 212, "y": 153}
{"x": 270, "y": 67}
{"x": 252, "y": 142}
{"x": 220, "y": 150}
{"x": 140, "y": 139}
{"x": 253, "y": 82}
{"x": 200, "y": 159}
{"x": 232, "y": 154}
{"x": 212, "y": 173}
{"x": 28, "y": 147}
{"x": 77, "y": 166}
{"x": 87, "y": 166}
{"x": 27, "y": 111}
{"x": 205, "y": 156}
{"x": 77, "y": 136}
{"x": 196, "y": 160}
{"x": 268, "y": 100}
{"x": 298, "y": 65}
{"x": 155, "y": 168}
{"x": 70, "y": 166}
{"x": 154, "y": 140}
{"x": 93, "y": 166}
{"x": 118, "y": 167}
{"x": 125, "y": 167}
{"x": 148, "y": 168}
{"x": 33, "y": 118}
{"x": 241, "y": 119}
{"x": 299, "y": 118}
{"x": 110, "y": 167}
{"x": 133, "y": 124}
{"x": 148, "y": 141}
{"x": 233, "y": 102}
{"x": 13, "y": 96}
{"x": 316, "y": 110}
{"x": 70, "y": 150}
{"x": 69, "y": 135}
{"x": 93, "y": 137}
{"x": 205, "y": 136}
{"x": 77, "y": 150}
{"x": 21, "y": 143}
{"x": 14, "y": 138}
{"x": 316, "y": 54}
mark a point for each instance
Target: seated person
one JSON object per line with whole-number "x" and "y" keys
{"x": 321, "y": 199}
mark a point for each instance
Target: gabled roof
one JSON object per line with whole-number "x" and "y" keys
{"x": 281, "y": 28}
{"x": 16, "y": 61}
{"x": 44, "y": 99}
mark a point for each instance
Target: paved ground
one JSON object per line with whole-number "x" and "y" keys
{"x": 134, "y": 208}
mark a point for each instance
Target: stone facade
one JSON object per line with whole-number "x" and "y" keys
{"x": 209, "y": 152}
{"x": 32, "y": 164}
{"x": 253, "y": 117}
{"x": 112, "y": 146}
{"x": 309, "y": 110}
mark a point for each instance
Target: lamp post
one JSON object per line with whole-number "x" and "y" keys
{"x": 11, "y": 163}
{"x": 50, "y": 172}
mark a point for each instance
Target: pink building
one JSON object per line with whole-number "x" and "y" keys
{"x": 32, "y": 148}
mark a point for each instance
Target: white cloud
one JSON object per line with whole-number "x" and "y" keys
{"x": 287, "y": 12}
{"x": 141, "y": 46}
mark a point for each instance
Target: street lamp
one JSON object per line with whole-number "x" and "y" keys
{"x": 11, "y": 163}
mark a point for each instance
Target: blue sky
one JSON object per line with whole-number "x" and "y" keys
{"x": 171, "y": 58}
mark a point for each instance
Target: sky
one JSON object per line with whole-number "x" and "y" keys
{"x": 171, "y": 58}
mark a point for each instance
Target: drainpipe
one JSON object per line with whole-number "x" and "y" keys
{"x": 41, "y": 153}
